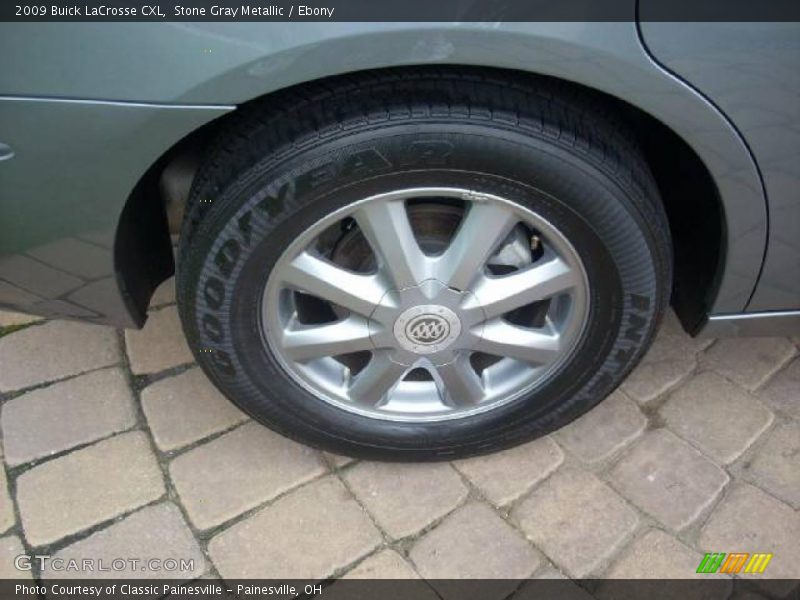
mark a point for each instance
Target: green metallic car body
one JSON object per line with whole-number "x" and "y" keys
{"x": 93, "y": 116}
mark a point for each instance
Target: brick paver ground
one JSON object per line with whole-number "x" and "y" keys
{"x": 116, "y": 443}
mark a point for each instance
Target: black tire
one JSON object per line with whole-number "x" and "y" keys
{"x": 541, "y": 143}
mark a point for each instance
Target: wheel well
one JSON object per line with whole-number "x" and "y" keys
{"x": 143, "y": 255}
{"x": 696, "y": 219}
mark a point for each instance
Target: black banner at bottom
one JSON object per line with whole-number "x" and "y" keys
{"x": 712, "y": 588}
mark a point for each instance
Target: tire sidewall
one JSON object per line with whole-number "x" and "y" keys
{"x": 248, "y": 226}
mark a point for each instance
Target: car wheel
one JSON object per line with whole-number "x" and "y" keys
{"x": 422, "y": 266}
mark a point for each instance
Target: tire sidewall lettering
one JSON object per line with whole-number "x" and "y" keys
{"x": 295, "y": 190}
{"x": 365, "y": 161}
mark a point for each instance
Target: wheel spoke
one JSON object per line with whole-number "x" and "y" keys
{"x": 482, "y": 230}
{"x": 388, "y": 230}
{"x": 458, "y": 383}
{"x": 319, "y": 277}
{"x": 331, "y": 339}
{"x": 500, "y": 295}
{"x": 372, "y": 384}
{"x": 534, "y": 346}
{"x": 417, "y": 311}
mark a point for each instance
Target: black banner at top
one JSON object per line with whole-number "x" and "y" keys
{"x": 398, "y": 10}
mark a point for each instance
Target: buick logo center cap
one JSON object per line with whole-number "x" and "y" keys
{"x": 427, "y": 329}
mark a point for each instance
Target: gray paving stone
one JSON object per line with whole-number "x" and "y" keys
{"x": 164, "y": 294}
{"x": 719, "y": 418}
{"x": 7, "y": 518}
{"x": 656, "y": 556}
{"x": 549, "y": 572}
{"x": 668, "y": 479}
{"x": 186, "y": 408}
{"x": 100, "y": 237}
{"x": 504, "y": 476}
{"x": 405, "y": 498}
{"x": 577, "y": 520}
{"x": 155, "y": 533}
{"x": 59, "y": 309}
{"x": 604, "y": 430}
{"x": 64, "y": 415}
{"x": 47, "y": 352}
{"x": 783, "y": 391}
{"x": 776, "y": 467}
{"x": 386, "y": 564}
{"x": 240, "y": 470}
{"x": 36, "y": 277}
{"x": 673, "y": 343}
{"x": 9, "y": 319}
{"x": 11, "y": 294}
{"x": 750, "y": 362}
{"x": 95, "y": 296}
{"x": 337, "y": 460}
{"x": 748, "y": 520}
{"x": 670, "y": 359}
{"x": 159, "y": 345}
{"x": 76, "y": 257}
{"x": 474, "y": 543}
{"x": 10, "y": 548}
{"x": 290, "y": 535}
{"x": 308, "y": 534}
{"x": 651, "y": 380}
{"x": 86, "y": 487}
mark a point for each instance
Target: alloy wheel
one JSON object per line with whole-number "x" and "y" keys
{"x": 425, "y": 304}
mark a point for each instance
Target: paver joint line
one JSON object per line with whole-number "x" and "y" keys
{"x": 698, "y": 438}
